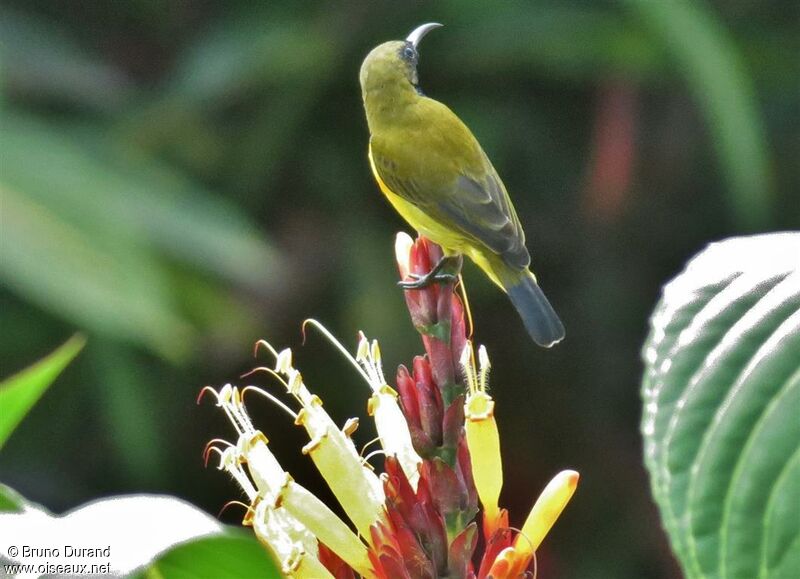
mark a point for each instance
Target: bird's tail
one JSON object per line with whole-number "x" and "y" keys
{"x": 537, "y": 314}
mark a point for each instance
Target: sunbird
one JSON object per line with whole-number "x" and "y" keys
{"x": 434, "y": 172}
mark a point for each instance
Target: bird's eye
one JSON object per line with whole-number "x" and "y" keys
{"x": 409, "y": 53}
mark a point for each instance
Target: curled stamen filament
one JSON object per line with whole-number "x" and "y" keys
{"x": 279, "y": 378}
{"x": 380, "y": 451}
{"x": 229, "y": 504}
{"x": 202, "y": 393}
{"x": 368, "y": 444}
{"x": 267, "y": 346}
{"x": 210, "y": 447}
{"x": 269, "y": 396}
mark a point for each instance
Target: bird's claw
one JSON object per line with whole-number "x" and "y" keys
{"x": 445, "y": 272}
{"x": 423, "y": 281}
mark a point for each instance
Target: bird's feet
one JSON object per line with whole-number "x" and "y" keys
{"x": 445, "y": 271}
{"x": 423, "y": 281}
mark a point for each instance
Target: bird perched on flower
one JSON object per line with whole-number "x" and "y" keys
{"x": 436, "y": 175}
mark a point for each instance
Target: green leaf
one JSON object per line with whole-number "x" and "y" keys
{"x": 233, "y": 555}
{"x": 20, "y": 392}
{"x": 721, "y": 395}
{"x": 10, "y": 500}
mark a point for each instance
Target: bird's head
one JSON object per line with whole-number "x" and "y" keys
{"x": 393, "y": 65}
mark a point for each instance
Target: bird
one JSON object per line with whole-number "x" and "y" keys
{"x": 436, "y": 175}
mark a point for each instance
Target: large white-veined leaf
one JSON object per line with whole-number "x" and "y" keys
{"x": 721, "y": 419}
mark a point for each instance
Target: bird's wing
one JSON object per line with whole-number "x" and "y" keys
{"x": 468, "y": 197}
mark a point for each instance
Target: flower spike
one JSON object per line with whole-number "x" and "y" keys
{"x": 441, "y": 457}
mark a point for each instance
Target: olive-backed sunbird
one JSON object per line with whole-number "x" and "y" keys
{"x": 436, "y": 175}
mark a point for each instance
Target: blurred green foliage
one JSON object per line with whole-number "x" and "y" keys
{"x": 181, "y": 179}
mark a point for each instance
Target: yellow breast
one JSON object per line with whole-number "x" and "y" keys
{"x": 451, "y": 241}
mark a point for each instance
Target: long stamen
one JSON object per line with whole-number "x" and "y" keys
{"x": 218, "y": 441}
{"x": 376, "y": 360}
{"x": 290, "y": 388}
{"x": 238, "y": 411}
{"x": 269, "y": 371}
{"x": 369, "y": 356}
{"x": 233, "y": 419}
{"x": 324, "y": 331}
{"x": 269, "y": 396}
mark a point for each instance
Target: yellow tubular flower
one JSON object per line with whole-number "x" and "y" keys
{"x": 389, "y": 419}
{"x": 327, "y": 527}
{"x": 303, "y": 506}
{"x": 292, "y": 517}
{"x": 336, "y": 459}
{"x": 505, "y": 565}
{"x": 481, "y": 432}
{"x": 545, "y": 511}
{"x": 287, "y": 540}
{"x": 390, "y": 422}
{"x": 264, "y": 468}
{"x": 355, "y": 486}
{"x": 393, "y": 432}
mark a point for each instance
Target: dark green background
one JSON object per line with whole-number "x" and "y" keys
{"x": 628, "y": 133}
